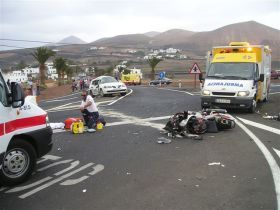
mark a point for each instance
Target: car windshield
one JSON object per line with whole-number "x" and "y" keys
{"x": 233, "y": 71}
{"x": 108, "y": 80}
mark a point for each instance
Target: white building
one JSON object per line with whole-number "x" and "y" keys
{"x": 172, "y": 51}
{"x": 17, "y": 76}
{"x": 50, "y": 68}
{"x": 29, "y": 70}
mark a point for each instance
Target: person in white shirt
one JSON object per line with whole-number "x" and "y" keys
{"x": 89, "y": 110}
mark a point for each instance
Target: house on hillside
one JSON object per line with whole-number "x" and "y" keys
{"x": 17, "y": 76}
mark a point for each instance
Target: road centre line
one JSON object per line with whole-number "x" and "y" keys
{"x": 180, "y": 91}
{"x": 54, "y": 181}
{"x": 269, "y": 158}
{"x": 259, "y": 125}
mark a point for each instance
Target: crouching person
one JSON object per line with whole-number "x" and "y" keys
{"x": 89, "y": 110}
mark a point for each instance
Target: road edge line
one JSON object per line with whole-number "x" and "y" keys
{"x": 275, "y": 170}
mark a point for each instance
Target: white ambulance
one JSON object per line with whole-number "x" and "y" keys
{"x": 25, "y": 134}
{"x": 237, "y": 76}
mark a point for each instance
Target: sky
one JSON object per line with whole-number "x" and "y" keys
{"x": 53, "y": 20}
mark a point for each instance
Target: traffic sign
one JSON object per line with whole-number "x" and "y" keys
{"x": 161, "y": 74}
{"x": 195, "y": 69}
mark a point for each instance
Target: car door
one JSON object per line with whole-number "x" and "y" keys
{"x": 95, "y": 87}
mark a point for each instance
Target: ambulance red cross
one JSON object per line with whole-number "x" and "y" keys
{"x": 25, "y": 134}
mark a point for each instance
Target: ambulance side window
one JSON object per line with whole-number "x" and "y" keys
{"x": 3, "y": 92}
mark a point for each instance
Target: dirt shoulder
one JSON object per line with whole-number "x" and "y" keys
{"x": 55, "y": 91}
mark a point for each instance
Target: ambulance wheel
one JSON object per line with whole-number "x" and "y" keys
{"x": 18, "y": 163}
{"x": 253, "y": 107}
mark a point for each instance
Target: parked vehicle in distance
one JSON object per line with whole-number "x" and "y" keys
{"x": 163, "y": 80}
{"x": 105, "y": 85}
{"x": 275, "y": 74}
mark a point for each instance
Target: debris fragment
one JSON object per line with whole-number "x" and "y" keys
{"x": 163, "y": 140}
{"x": 179, "y": 180}
{"x": 84, "y": 190}
{"x": 57, "y": 125}
{"x": 197, "y": 185}
{"x": 214, "y": 163}
{"x": 128, "y": 173}
{"x": 58, "y": 148}
{"x": 272, "y": 117}
{"x": 234, "y": 176}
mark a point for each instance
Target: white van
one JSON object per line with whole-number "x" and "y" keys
{"x": 25, "y": 134}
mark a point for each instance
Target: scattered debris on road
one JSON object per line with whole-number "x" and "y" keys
{"x": 162, "y": 140}
{"x": 192, "y": 124}
{"x": 216, "y": 163}
{"x": 272, "y": 117}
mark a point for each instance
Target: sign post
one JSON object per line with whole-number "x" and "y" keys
{"x": 161, "y": 76}
{"x": 195, "y": 70}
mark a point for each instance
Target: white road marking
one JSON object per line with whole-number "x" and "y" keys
{"x": 180, "y": 91}
{"x": 96, "y": 169}
{"x": 277, "y": 152}
{"x": 57, "y": 107}
{"x": 274, "y": 93}
{"x": 74, "y": 181}
{"x": 17, "y": 189}
{"x": 259, "y": 125}
{"x": 131, "y": 91}
{"x": 3, "y": 188}
{"x": 269, "y": 158}
{"x": 62, "y": 96}
{"x": 56, "y": 100}
{"x": 54, "y": 181}
{"x": 48, "y": 157}
{"x": 73, "y": 165}
{"x": 54, "y": 164}
{"x": 72, "y": 107}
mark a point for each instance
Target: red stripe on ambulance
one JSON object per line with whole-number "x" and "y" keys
{"x": 24, "y": 123}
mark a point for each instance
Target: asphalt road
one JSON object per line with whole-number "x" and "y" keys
{"x": 123, "y": 167}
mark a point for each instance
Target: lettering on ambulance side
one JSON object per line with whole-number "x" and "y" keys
{"x": 228, "y": 84}
{"x": 25, "y": 107}
{"x": 63, "y": 176}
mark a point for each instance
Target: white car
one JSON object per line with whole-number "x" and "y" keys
{"x": 105, "y": 85}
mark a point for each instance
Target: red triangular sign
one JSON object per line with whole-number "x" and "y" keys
{"x": 195, "y": 69}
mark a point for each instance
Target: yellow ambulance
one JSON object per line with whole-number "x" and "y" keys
{"x": 237, "y": 76}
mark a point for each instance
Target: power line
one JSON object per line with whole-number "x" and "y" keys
{"x": 36, "y": 41}
{"x": 4, "y": 45}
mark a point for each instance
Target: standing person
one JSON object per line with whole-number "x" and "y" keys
{"x": 38, "y": 87}
{"x": 34, "y": 89}
{"x": 9, "y": 84}
{"x": 73, "y": 85}
{"x": 89, "y": 110}
{"x": 81, "y": 84}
